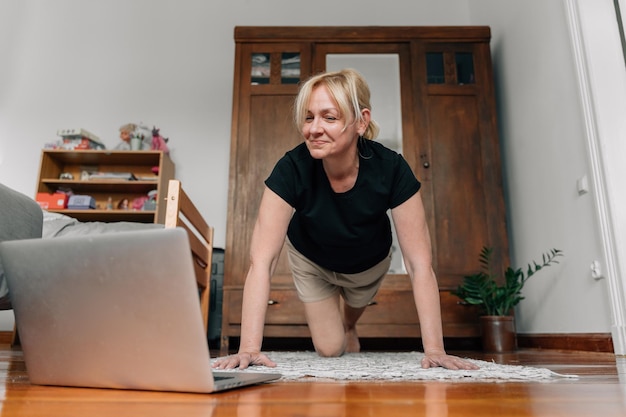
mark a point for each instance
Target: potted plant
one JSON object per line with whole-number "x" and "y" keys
{"x": 496, "y": 296}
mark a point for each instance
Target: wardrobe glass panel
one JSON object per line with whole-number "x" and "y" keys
{"x": 464, "y": 67}
{"x": 290, "y": 68}
{"x": 434, "y": 68}
{"x": 260, "y": 69}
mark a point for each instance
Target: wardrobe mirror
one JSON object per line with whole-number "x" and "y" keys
{"x": 382, "y": 72}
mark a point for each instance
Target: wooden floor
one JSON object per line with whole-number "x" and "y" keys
{"x": 600, "y": 391}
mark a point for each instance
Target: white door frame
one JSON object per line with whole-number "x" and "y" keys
{"x": 602, "y": 82}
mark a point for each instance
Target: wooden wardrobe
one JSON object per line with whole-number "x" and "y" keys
{"x": 449, "y": 137}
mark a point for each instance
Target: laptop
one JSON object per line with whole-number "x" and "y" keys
{"x": 116, "y": 310}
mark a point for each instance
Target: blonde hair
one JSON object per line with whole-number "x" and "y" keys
{"x": 349, "y": 90}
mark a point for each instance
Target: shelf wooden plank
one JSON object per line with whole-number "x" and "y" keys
{"x": 101, "y": 186}
{"x": 106, "y": 157}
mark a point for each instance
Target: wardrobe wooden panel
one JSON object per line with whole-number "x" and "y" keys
{"x": 449, "y": 138}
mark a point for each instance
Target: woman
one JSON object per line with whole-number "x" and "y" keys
{"x": 328, "y": 198}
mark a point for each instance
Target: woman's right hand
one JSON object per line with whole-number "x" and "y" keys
{"x": 243, "y": 360}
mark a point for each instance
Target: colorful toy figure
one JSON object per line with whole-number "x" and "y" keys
{"x": 126, "y": 133}
{"x": 138, "y": 132}
{"x": 159, "y": 143}
{"x": 123, "y": 204}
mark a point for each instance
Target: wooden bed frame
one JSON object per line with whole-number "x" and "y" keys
{"x": 180, "y": 211}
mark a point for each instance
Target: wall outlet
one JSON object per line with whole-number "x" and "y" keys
{"x": 582, "y": 185}
{"x": 596, "y": 270}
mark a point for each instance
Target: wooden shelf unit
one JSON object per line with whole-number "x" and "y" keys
{"x": 139, "y": 163}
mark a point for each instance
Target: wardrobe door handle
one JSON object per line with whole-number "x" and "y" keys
{"x": 426, "y": 165}
{"x": 272, "y": 302}
{"x": 372, "y": 303}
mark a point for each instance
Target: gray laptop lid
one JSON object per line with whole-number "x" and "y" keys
{"x": 116, "y": 310}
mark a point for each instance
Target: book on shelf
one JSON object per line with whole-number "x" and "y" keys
{"x": 112, "y": 176}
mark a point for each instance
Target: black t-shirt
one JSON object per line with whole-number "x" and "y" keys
{"x": 344, "y": 232}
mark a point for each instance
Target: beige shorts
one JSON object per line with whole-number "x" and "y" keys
{"x": 316, "y": 283}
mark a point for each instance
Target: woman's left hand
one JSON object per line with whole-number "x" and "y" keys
{"x": 433, "y": 360}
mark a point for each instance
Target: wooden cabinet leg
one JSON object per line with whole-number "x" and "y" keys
{"x": 224, "y": 345}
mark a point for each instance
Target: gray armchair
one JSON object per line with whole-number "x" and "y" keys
{"x": 20, "y": 218}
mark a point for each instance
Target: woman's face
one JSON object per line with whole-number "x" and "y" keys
{"x": 323, "y": 128}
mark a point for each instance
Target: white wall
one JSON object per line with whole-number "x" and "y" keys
{"x": 545, "y": 153}
{"x": 100, "y": 64}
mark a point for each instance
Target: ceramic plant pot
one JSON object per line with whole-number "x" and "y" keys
{"x": 498, "y": 334}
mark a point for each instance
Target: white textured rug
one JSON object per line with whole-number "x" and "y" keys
{"x": 392, "y": 366}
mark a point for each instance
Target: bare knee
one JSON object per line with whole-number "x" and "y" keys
{"x": 330, "y": 351}
{"x": 330, "y": 347}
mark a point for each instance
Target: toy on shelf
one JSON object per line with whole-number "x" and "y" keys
{"x": 159, "y": 143}
{"x": 77, "y": 139}
{"x": 134, "y": 137}
{"x": 137, "y": 137}
{"x": 146, "y": 202}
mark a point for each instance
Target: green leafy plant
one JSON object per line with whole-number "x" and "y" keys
{"x": 494, "y": 299}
